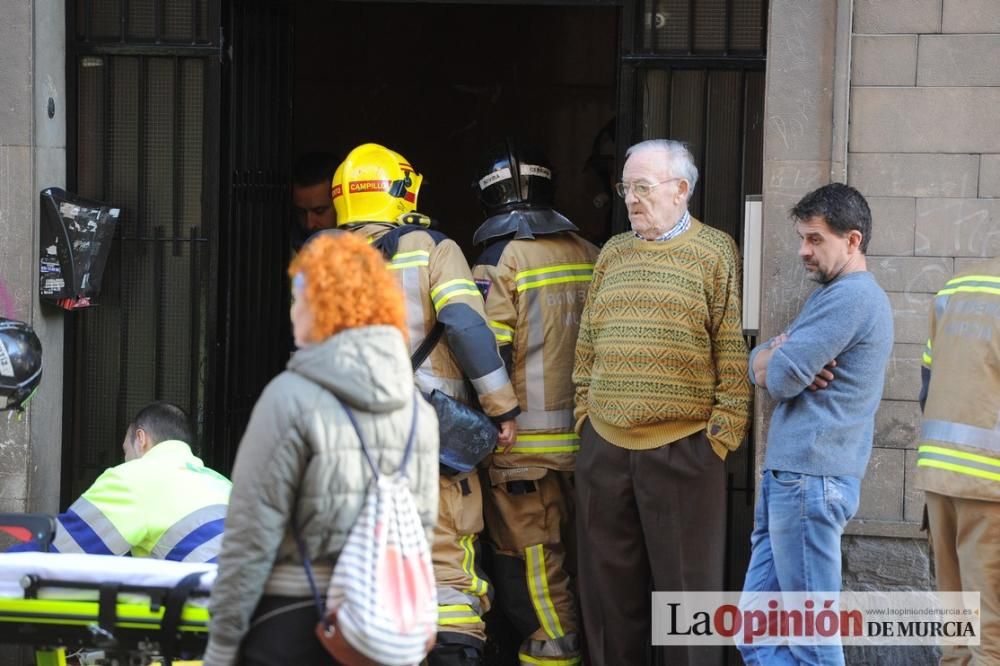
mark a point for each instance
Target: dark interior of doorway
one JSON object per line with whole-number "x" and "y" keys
{"x": 439, "y": 83}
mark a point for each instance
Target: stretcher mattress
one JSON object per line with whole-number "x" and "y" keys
{"x": 96, "y": 569}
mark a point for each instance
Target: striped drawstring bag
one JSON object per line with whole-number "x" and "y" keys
{"x": 381, "y": 604}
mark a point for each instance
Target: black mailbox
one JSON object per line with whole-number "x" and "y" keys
{"x": 75, "y": 240}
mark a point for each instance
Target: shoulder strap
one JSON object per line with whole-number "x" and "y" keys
{"x": 427, "y": 345}
{"x": 409, "y": 440}
{"x": 388, "y": 243}
{"x": 306, "y": 563}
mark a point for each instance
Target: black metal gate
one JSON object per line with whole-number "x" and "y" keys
{"x": 143, "y": 90}
{"x": 254, "y": 337}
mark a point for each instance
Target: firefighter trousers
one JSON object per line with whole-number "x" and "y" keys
{"x": 463, "y": 590}
{"x": 965, "y": 538}
{"x": 530, "y": 525}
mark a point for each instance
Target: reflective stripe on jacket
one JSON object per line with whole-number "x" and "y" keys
{"x": 534, "y": 292}
{"x": 958, "y": 452}
{"x": 166, "y": 505}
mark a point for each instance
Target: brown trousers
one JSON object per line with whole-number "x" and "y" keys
{"x": 463, "y": 589}
{"x": 651, "y": 520}
{"x": 965, "y": 538}
{"x": 529, "y": 527}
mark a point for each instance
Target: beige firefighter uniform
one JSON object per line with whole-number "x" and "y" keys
{"x": 534, "y": 291}
{"x": 958, "y": 456}
{"x": 438, "y": 286}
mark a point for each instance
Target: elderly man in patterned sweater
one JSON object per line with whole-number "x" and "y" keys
{"x": 661, "y": 398}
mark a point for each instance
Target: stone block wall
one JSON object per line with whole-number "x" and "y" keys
{"x": 900, "y": 98}
{"x": 32, "y": 157}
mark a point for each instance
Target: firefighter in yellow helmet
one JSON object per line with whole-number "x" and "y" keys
{"x": 375, "y": 195}
{"x": 534, "y": 273}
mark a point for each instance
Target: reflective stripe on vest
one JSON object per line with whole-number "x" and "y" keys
{"x": 448, "y": 596}
{"x": 457, "y": 614}
{"x": 555, "y": 274}
{"x": 539, "y": 444}
{"x": 84, "y": 529}
{"x": 534, "y": 355}
{"x": 548, "y": 661}
{"x": 502, "y": 332}
{"x": 972, "y": 284}
{"x": 414, "y": 305}
{"x": 552, "y": 420}
{"x": 441, "y": 294}
{"x": 413, "y": 259}
{"x": 961, "y": 433}
{"x": 969, "y": 464}
{"x": 493, "y": 381}
{"x": 476, "y": 585}
{"x": 194, "y": 538}
{"x": 538, "y": 587}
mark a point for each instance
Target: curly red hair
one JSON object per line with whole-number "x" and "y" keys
{"x": 347, "y": 285}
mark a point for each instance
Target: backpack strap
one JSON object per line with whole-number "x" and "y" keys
{"x": 306, "y": 562}
{"x": 409, "y": 440}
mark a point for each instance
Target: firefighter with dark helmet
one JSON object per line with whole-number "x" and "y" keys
{"x": 375, "y": 195}
{"x": 20, "y": 364}
{"x": 534, "y": 273}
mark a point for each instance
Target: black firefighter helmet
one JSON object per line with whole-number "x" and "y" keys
{"x": 20, "y": 364}
{"x": 517, "y": 192}
{"x": 514, "y": 175}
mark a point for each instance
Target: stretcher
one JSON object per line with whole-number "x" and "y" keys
{"x": 102, "y": 609}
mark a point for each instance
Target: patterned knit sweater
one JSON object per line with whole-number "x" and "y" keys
{"x": 661, "y": 353}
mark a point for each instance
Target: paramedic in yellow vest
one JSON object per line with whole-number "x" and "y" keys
{"x": 533, "y": 273}
{"x": 958, "y": 453}
{"x": 375, "y": 195}
{"x": 162, "y": 502}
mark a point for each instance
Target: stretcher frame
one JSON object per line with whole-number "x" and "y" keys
{"x": 130, "y": 623}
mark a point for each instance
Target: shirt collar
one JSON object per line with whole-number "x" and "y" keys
{"x": 682, "y": 225}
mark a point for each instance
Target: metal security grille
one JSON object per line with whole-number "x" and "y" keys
{"x": 705, "y": 27}
{"x": 254, "y": 329}
{"x": 139, "y": 22}
{"x": 693, "y": 70}
{"x": 137, "y": 138}
{"x": 718, "y": 113}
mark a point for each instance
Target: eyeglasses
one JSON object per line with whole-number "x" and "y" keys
{"x": 640, "y": 189}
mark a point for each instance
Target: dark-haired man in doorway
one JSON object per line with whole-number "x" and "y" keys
{"x": 311, "y": 178}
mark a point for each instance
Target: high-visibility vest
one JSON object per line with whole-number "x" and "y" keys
{"x": 534, "y": 292}
{"x": 166, "y": 505}
{"x": 958, "y": 453}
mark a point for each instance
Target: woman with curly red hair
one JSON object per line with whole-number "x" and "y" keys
{"x": 300, "y": 468}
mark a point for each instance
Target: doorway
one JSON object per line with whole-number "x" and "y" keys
{"x": 439, "y": 83}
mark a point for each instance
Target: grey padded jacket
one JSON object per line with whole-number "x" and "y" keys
{"x": 301, "y": 458}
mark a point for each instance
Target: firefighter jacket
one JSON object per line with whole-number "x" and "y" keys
{"x": 166, "y": 505}
{"x": 959, "y": 447}
{"x": 534, "y": 292}
{"x": 437, "y": 286}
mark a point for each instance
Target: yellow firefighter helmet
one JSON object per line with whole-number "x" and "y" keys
{"x": 374, "y": 184}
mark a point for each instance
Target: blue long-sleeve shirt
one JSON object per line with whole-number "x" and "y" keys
{"x": 829, "y": 432}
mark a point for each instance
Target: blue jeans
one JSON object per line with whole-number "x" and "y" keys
{"x": 795, "y": 544}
